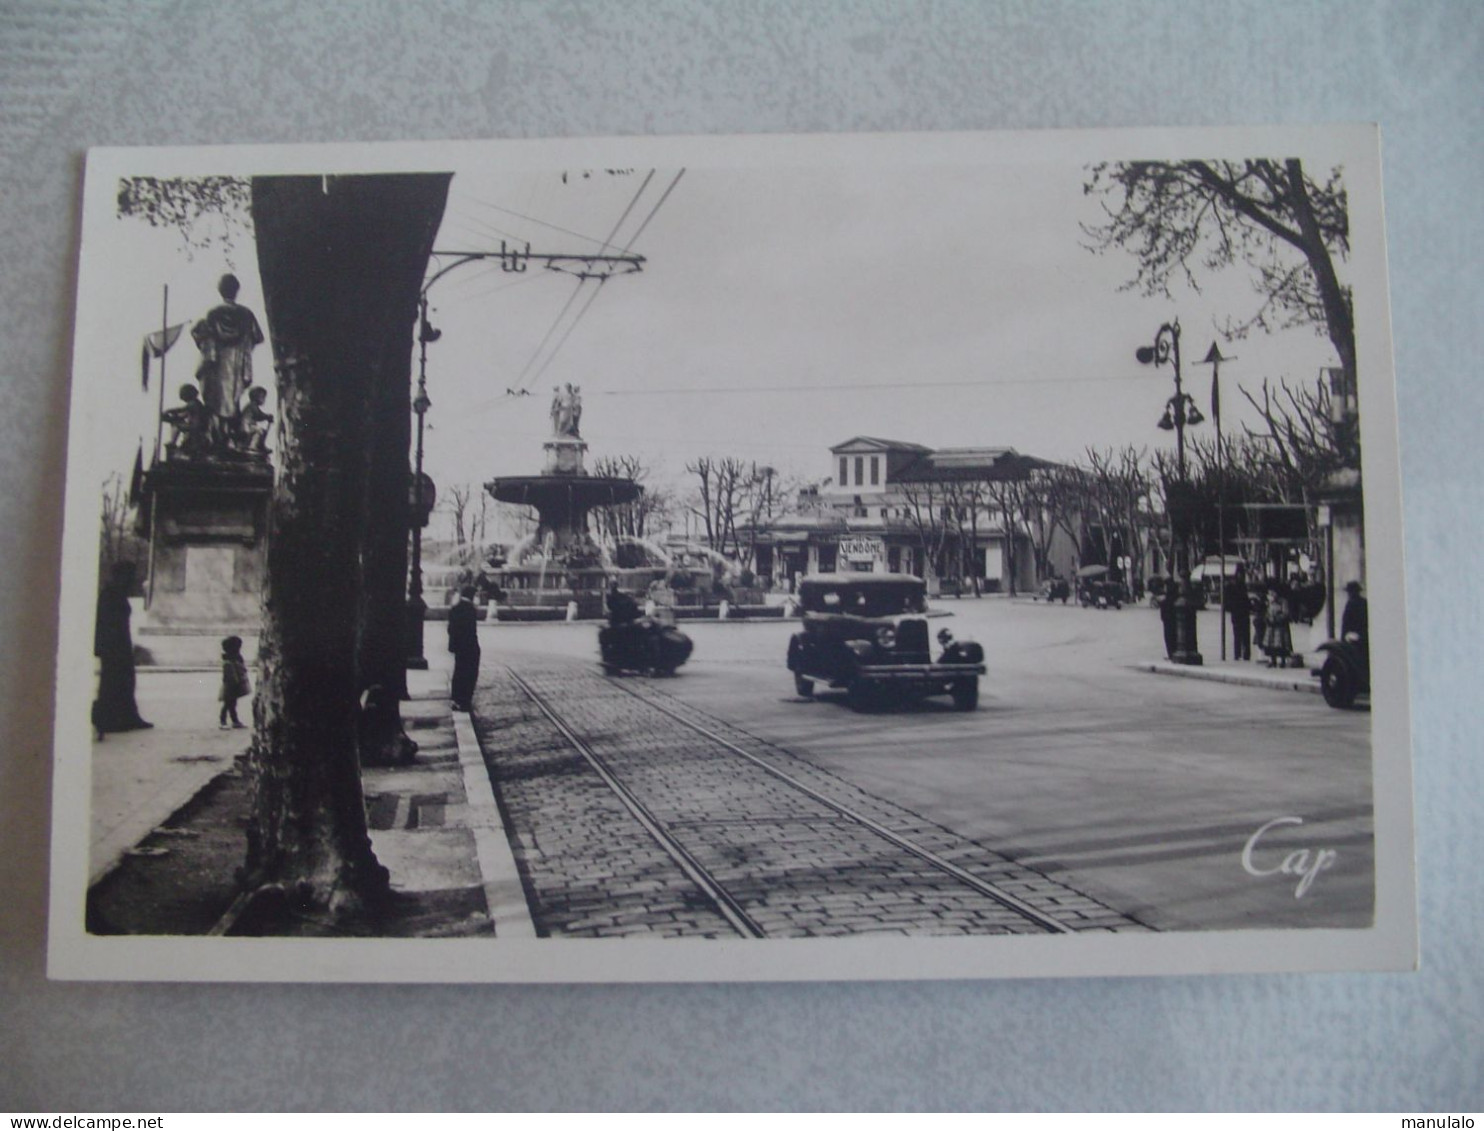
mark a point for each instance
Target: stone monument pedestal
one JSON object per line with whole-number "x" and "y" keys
{"x": 207, "y": 525}
{"x": 564, "y": 456}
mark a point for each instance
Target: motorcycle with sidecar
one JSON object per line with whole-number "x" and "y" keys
{"x": 642, "y": 645}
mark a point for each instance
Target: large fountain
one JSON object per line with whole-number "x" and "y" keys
{"x": 561, "y": 565}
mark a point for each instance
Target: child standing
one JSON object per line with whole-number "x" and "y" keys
{"x": 234, "y": 680}
{"x": 1277, "y": 638}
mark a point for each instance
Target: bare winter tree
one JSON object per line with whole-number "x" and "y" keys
{"x": 1178, "y": 218}
{"x": 1052, "y": 501}
{"x": 724, "y": 489}
{"x": 114, "y": 540}
{"x": 457, "y": 499}
{"x": 646, "y": 515}
{"x": 1120, "y": 497}
{"x": 1304, "y": 443}
{"x": 929, "y": 511}
{"x": 967, "y": 502}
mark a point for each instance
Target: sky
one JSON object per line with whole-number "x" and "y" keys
{"x": 779, "y": 310}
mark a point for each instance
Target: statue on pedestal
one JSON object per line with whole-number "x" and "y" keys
{"x": 190, "y": 425}
{"x": 254, "y": 424}
{"x": 226, "y": 338}
{"x": 566, "y": 411}
{"x": 574, "y": 410}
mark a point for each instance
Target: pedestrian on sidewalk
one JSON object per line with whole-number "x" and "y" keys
{"x": 1258, "y": 599}
{"x": 235, "y": 683}
{"x": 463, "y": 642}
{"x": 1355, "y": 621}
{"x": 1277, "y": 638}
{"x": 1168, "y": 594}
{"x": 115, "y": 709}
{"x": 1238, "y": 604}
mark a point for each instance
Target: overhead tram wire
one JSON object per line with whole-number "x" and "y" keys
{"x": 632, "y": 240}
{"x": 848, "y": 387}
{"x": 521, "y": 280}
{"x": 520, "y": 381}
{"x": 854, "y": 387}
{"x": 534, "y": 220}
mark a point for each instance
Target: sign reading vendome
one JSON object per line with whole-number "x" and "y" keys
{"x": 902, "y": 556}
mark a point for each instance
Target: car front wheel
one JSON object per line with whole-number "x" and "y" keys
{"x": 1337, "y": 682}
{"x": 966, "y": 694}
{"x": 805, "y": 687}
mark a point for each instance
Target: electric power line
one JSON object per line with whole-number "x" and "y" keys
{"x": 521, "y": 381}
{"x": 533, "y": 220}
{"x": 632, "y": 240}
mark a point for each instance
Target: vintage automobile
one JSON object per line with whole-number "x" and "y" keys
{"x": 1345, "y": 673}
{"x": 1055, "y": 589}
{"x": 868, "y": 633}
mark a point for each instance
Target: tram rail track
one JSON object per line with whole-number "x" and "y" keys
{"x": 732, "y": 906}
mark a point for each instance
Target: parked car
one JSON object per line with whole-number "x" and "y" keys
{"x": 1055, "y": 589}
{"x": 1345, "y": 673}
{"x": 868, "y": 633}
{"x": 1100, "y": 594}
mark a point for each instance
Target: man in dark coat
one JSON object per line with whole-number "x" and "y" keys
{"x": 1355, "y": 620}
{"x": 1167, "y": 613}
{"x": 622, "y": 609}
{"x": 115, "y": 710}
{"x": 463, "y": 642}
{"x": 1238, "y": 604}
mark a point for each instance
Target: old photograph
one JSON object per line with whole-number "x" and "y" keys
{"x": 734, "y": 558}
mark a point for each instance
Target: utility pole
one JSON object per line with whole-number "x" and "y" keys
{"x": 513, "y": 260}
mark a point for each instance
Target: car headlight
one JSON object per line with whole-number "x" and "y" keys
{"x": 886, "y": 636}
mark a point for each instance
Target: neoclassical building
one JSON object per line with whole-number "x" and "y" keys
{"x": 887, "y": 506}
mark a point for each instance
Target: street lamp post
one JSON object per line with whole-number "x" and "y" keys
{"x": 417, "y": 608}
{"x": 513, "y": 260}
{"x": 1214, "y": 360}
{"x": 1180, "y": 410}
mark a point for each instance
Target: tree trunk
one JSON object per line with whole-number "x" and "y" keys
{"x": 342, "y": 261}
{"x": 384, "y": 626}
{"x": 1337, "y": 316}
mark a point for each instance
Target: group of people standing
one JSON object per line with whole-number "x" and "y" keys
{"x": 1264, "y": 612}
{"x": 116, "y": 710}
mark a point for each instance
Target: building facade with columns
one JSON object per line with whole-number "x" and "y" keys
{"x": 890, "y": 506}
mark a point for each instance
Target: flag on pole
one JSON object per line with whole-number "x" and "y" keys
{"x": 136, "y": 481}
{"x": 156, "y": 345}
{"x": 1216, "y": 396}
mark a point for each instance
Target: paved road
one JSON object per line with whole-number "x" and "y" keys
{"x": 1137, "y": 790}
{"x": 636, "y": 813}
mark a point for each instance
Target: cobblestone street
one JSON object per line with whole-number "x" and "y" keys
{"x": 1131, "y": 791}
{"x": 800, "y": 851}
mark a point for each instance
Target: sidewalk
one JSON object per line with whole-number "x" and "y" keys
{"x": 141, "y": 777}
{"x": 1243, "y": 673}
{"x": 434, "y": 824}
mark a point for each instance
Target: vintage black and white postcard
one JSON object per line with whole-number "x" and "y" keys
{"x": 906, "y": 556}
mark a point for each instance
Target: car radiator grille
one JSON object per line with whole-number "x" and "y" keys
{"x": 912, "y": 636}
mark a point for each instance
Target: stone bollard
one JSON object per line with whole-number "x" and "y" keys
{"x": 649, "y": 607}
{"x": 723, "y": 610}
{"x": 571, "y": 610}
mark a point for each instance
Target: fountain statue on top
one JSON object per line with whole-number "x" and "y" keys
{"x": 561, "y": 562}
{"x": 564, "y": 449}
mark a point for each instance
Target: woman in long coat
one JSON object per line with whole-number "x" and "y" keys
{"x": 1277, "y": 637}
{"x": 115, "y": 710}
